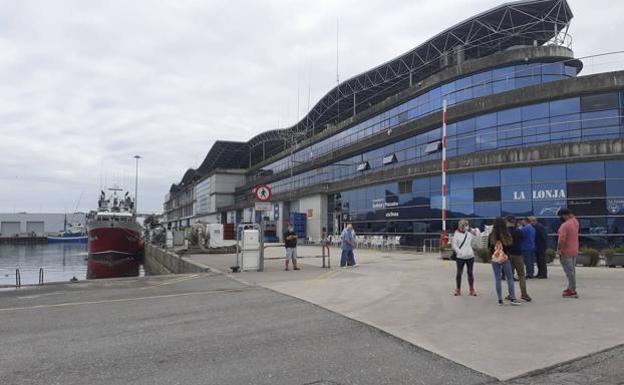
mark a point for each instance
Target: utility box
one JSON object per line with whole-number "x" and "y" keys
{"x": 250, "y": 249}
{"x": 215, "y": 234}
{"x": 178, "y": 238}
{"x": 169, "y": 238}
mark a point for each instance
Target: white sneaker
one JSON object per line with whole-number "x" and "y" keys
{"x": 356, "y": 265}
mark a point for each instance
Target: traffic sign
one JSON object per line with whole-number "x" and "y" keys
{"x": 275, "y": 211}
{"x": 263, "y": 206}
{"x": 262, "y": 193}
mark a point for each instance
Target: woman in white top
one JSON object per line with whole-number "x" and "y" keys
{"x": 462, "y": 246}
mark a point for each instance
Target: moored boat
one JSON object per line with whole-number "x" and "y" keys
{"x": 115, "y": 245}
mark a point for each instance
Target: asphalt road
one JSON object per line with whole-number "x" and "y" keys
{"x": 203, "y": 329}
{"x": 605, "y": 368}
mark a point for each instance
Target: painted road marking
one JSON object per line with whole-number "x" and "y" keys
{"x": 41, "y": 295}
{"x": 104, "y": 301}
{"x": 172, "y": 281}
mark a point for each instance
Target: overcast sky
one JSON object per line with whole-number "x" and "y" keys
{"x": 85, "y": 85}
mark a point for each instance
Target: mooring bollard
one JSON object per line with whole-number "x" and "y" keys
{"x": 41, "y": 276}
{"x": 18, "y": 279}
{"x": 325, "y": 246}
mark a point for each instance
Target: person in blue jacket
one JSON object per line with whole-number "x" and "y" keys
{"x": 528, "y": 247}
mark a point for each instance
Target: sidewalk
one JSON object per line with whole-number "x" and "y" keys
{"x": 409, "y": 295}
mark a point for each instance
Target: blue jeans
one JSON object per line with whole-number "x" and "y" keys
{"x": 347, "y": 258}
{"x": 499, "y": 270}
{"x": 529, "y": 261}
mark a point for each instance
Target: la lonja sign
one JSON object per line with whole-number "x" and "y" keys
{"x": 540, "y": 194}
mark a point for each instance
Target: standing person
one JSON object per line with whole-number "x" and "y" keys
{"x": 325, "y": 245}
{"x": 541, "y": 239}
{"x": 514, "y": 251}
{"x": 528, "y": 247}
{"x": 290, "y": 242}
{"x": 462, "y": 246}
{"x": 498, "y": 241}
{"x": 347, "y": 243}
{"x": 568, "y": 248}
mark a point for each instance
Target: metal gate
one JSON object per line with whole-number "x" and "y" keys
{"x": 35, "y": 227}
{"x": 9, "y": 229}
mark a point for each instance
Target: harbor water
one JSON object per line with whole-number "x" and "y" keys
{"x": 60, "y": 262}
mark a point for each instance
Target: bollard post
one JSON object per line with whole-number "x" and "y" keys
{"x": 41, "y": 276}
{"x": 18, "y": 279}
{"x": 328, "y": 257}
{"x": 326, "y": 246}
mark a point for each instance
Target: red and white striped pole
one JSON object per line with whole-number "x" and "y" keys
{"x": 444, "y": 235}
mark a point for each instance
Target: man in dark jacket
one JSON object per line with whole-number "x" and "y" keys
{"x": 515, "y": 255}
{"x": 540, "y": 248}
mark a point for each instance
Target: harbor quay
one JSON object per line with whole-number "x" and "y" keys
{"x": 390, "y": 320}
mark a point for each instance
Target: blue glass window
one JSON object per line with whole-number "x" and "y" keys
{"x": 488, "y": 120}
{"x": 516, "y": 208}
{"x": 615, "y": 168}
{"x": 512, "y": 115}
{"x": 565, "y": 106}
{"x": 460, "y": 181}
{"x": 585, "y": 171}
{"x": 461, "y": 211}
{"x": 615, "y": 187}
{"x": 486, "y": 178}
{"x": 461, "y": 196}
{"x": 488, "y": 209}
{"x": 515, "y": 176}
{"x": 552, "y": 69}
{"x": 535, "y": 111}
{"x": 549, "y": 173}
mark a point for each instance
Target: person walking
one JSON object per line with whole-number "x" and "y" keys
{"x": 347, "y": 244}
{"x": 498, "y": 240}
{"x": 528, "y": 247}
{"x": 290, "y": 242}
{"x": 541, "y": 240}
{"x": 464, "y": 255}
{"x": 514, "y": 251}
{"x": 568, "y": 249}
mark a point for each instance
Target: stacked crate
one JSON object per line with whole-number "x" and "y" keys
{"x": 229, "y": 232}
{"x": 299, "y": 222}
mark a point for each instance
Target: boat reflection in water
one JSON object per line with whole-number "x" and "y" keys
{"x": 111, "y": 265}
{"x": 115, "y": 244}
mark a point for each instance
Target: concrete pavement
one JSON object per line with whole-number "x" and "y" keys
{"x": 409, "y": 295}
{"x": 198, "y": 329}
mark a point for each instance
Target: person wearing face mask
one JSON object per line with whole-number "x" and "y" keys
{"x": 464, "y": 255}
{"x": 290, "y": 241}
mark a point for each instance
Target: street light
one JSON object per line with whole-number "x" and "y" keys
{"x": 136, "y": 183}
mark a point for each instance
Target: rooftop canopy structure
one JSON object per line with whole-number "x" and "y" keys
{"x": 533, "y": 22}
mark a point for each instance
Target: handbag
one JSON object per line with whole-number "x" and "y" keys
{"x": 454, "y": 254}
{"x": 499, "y": 255}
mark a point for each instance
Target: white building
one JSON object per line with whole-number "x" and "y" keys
{"x": 41, "y": 224}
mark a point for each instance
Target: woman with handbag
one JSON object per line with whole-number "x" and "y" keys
{"x": 463, "y": 254}
{"x": 499, "y": 239}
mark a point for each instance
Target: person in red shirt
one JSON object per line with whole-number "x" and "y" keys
{"x": 568, "y": 249}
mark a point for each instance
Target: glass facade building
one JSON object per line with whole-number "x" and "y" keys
{"x": 593, "y": 190}
{"x": 527, "y": 134}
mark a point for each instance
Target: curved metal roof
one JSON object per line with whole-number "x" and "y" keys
{"x": 511, "y": 24}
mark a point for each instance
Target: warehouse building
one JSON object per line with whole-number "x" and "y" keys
{"x": 526, "y": 135}
{"x": 37, "y": 224}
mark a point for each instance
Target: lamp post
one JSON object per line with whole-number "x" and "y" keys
{"x": 136, "y": 183}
